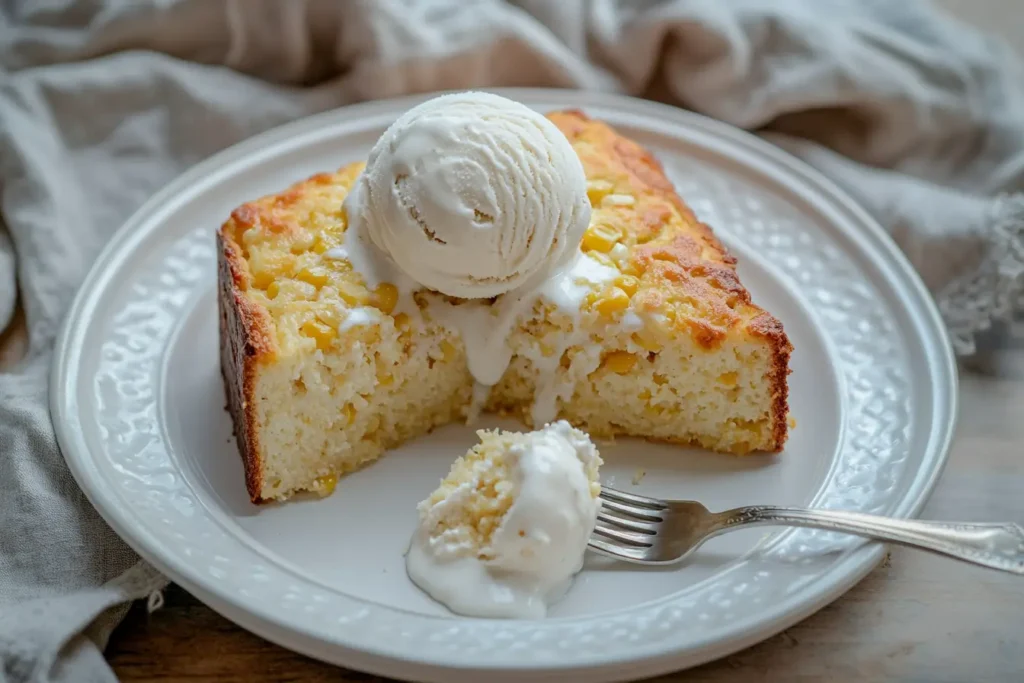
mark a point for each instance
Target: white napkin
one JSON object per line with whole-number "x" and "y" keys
{"x": 104, "y": 101}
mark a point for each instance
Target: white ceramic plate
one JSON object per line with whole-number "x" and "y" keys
{"x": 139, "y": 408}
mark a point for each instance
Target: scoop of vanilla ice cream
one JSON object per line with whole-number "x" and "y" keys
{"x": 507, "y": 530}
{"x": 473, "y": 195}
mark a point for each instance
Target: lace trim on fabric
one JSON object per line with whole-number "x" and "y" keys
{"x": 994, "y": 291}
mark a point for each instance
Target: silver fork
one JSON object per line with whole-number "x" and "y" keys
{"x": 651, "y": 531}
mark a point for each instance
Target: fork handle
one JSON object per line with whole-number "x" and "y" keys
{"x": 997, "y": 545}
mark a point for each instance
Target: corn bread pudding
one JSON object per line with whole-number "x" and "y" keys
{"x": 507, "y": 529}
{"x": 645, "y": 331}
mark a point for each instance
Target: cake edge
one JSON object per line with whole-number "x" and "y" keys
{"x": 770, "y": 328}
{"x": 244, "y": 339}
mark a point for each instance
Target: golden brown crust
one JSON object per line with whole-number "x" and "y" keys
{"x": 770, "y": 329}
{"x": 679, "y": 256}
{"x": 245, "y": 340}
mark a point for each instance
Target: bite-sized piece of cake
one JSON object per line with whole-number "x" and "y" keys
{"x": 507, "y": 529}
{"x": 650, "y": 334}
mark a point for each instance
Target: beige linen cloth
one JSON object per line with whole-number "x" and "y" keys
{"x": 104, "y": 101}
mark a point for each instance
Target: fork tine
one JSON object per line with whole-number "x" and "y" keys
{"x": 631, "y": 498}
{"x": 644, "y": 514}
{"x": 620, "y": 551}
{"x": 629, "y": 538}
{"x": 631, "y": 525}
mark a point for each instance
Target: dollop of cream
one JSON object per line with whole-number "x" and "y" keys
{"x": 539, "y": 544}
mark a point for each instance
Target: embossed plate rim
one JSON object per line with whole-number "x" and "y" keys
{"x": 388, "y": 659}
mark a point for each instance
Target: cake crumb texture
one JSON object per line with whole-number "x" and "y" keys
{"x": 483, "y": 482}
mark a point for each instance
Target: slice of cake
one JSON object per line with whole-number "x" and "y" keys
{"x": 650, "y": 334}
{"x": 506, "y": 531}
